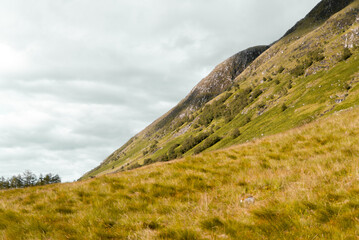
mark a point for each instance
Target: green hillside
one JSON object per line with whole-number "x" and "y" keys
{"x": 305, "y": 183}
{"x": 265, "y": 147}
{"x": 309, "y": 73}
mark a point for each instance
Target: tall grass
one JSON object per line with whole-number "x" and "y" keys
{"x": 305, "y": 181}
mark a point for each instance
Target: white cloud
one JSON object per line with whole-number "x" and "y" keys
{"x": 79, "y": 78}
{"x": 10, "y": 59}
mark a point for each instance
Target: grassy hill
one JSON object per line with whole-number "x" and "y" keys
{"x": 309, "y": 73}
{"x": 305, "y": 182}
{"x": 284, "y": 130}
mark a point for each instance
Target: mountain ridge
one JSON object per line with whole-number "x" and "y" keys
{"x": 320, "y": 13}
{"x": 251, "y": 97}
{"x": 274, "y": 156}
{"x": 218, "y": 80}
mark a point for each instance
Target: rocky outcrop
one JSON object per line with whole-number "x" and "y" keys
{"x": 320, "y": 13}
{"x": 219, "y": 80}
{"x": 222, "y": 77}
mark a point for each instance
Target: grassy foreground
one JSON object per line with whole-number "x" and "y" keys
{"x": 305, "y": 181}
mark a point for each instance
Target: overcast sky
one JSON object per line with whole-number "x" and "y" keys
{"x": 78, "y": 78}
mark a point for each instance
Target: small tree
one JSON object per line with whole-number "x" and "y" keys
{"x": 29, "y": 179}
{"x": 47, "y": 178}
{"x": 16, "y": 182}
{"x": 56, "y": 179}
{"x": 41, "y": 180}
{"x": 4, "y": 183}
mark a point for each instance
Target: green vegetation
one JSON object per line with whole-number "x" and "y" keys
{"x": 284, "y": 107}
{"x": 281, "y": 69}
{"x": 305, "y": 182}
{"x": 313, "y": 56}
{"x": 299, "y": 79}
{"x": 256, "y": 93}
{"x": 28, "y": 179}
{"x": 346, "y": 54}
{"x": 235, "y": 133}
{"x": 206, "y": 144}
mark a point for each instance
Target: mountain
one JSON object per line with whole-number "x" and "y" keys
{"x": 304, "y": 182}
{"x": 218, "y": 81}
{"x": 310, "y": 73}
{"x": 320, "y": 13}
{"x": 272, "y": 153}
{"x": 246, "y": 94}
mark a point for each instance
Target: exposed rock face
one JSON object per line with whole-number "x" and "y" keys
{"x": 220, "y": 79}
{"x": 325, "y": 9}
{"x": 320, "y": 13}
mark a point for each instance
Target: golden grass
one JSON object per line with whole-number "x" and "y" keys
{"x": 305, "y": 181}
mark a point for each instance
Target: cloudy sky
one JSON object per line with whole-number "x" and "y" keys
{"x": 78, "y": 78}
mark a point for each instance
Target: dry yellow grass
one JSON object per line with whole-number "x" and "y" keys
{"x": 305, "y": 182}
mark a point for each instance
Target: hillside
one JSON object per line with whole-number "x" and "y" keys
{"x": 305, "y": 182}
{"x": 310, "y": 73}
{"x": 265, "y": 147}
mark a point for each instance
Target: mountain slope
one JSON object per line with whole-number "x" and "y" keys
{"x": 320, "y": 13}
{"x": 309, "y": 73}
{"x": 218, "y": 81}
{"x": 305, "y": 183}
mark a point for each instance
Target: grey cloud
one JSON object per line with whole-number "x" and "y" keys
{"x": 79, "y": 78}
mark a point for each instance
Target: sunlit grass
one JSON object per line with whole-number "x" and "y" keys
{"x": 305, "y": 181}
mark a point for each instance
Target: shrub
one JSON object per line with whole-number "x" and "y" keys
{"x": 316, "y": 55}
{"x": 171, "y": 152}
{"x": 284, "y": 107}
{"x": 299, "y": 70}
{"x": 347, "y": 86}
{"x": 261, "y": 105}
{"x": 235, "y": 133}
{"x": 247, "y": 120}
{"x": 206, "y": 144}
{"x": 148, "y": 161}
{"x": 346, "y": 54}
{"x": 290, "y": 85}
{"x": 134, "y": 166}
{"x": 191, "y": 142}
{"x": 281, "y": 69}
{"x": 163, "y": 158}
{"x": 307, "y": 63}
{"x": 256, "y": 93}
